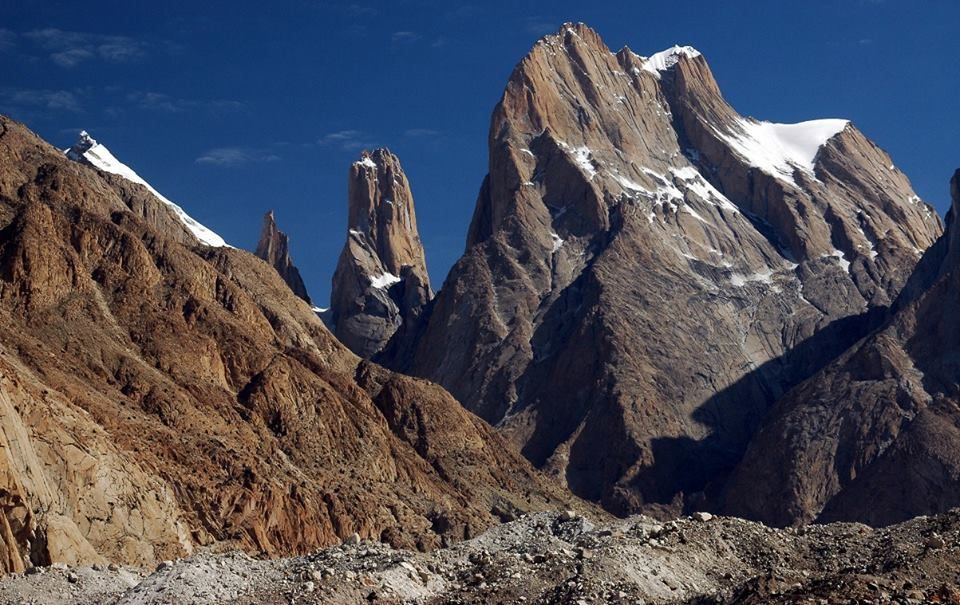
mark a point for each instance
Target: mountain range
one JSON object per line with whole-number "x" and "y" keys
{"x": 663, "y": 307}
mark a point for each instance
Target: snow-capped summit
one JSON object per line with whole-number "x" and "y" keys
{"x": 666, "y": 59}
{"x": 88, "y": 151}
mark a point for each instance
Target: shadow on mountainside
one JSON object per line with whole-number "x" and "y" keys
{"x": 690, "y": 474}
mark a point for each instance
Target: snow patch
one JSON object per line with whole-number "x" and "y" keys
{"x": 666, "y": 59}
{"x": 873, "y": 249}
{"x": 693, "y": 213}
{"x": 738, "y": 280}
{"x": 87, "y": 148}
{"x": 702, "y": 187}
{"x": 582, "y": 156}
{"x": 557, "y": 241}
{"x": 780, "y": 149}
{"x": 384, "y": 281}
{"x": 841, "y": 258}
{"x": 366, "y": 161}
{"x": 628, "y": 184}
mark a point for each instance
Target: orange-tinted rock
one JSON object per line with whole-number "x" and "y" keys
{"x": 274, "y": 247}
{"x": 156, "y": 397}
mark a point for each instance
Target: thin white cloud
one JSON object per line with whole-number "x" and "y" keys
{"x": 360, "y": 10}
{"x": 538, "y": 26}
{"x": 422, "y": 133}
{"x": 8, "y": 38}
{"x": 157, "y": 101}
{"x": 71, "y": 57}
{"x": 236, "y": 156}
{"x": 70, "y": 48}
{"x": 33, "y": 98}
{"x": 464, "y": 12}
{"x": 404, "y": 37}
{"x": 348, "y": 140}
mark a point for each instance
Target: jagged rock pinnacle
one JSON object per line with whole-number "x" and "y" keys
{"x": 381, "y": 280}
{"x": 274, "y": 247}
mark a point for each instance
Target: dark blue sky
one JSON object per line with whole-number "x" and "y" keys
{"x": 232, "y": 108}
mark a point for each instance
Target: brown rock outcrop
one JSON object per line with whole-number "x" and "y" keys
{"x": 647, "y": 271}
{"x": 274, "y": 247}
{"x": 874, "y": 436}
{"x": 381, "y": 283}
{"x": 156, "y": 396}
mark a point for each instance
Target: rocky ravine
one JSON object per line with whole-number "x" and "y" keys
{"x": 381, "y": 285}
{"x": 551, "y": 558}
{"x": 158, "y": 395}
{"x": 647, "y": 271}
{"x": 880, "y": 425}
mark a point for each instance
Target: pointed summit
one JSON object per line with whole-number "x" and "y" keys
{"x": 88, "y": 151}
{"x": 381, "y": 280}
{"x": 664, "y": 60}
{"x": 617, "y": 185}
{"x": 274, "y": 248}
{"x": 83, "y": 144}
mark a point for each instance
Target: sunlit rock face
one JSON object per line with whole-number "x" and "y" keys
{"x": 647, "y": 271}
{"x": 381, "y": 282}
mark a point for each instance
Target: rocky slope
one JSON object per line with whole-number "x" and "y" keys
{"x": 274, "y": 247}
{"x": 381, "y": 283}
{"x": 552, "y": 558}
{"x": 157, "y": 395}
{"x": 874, "y": 436}
{"x": 647, "y": 271}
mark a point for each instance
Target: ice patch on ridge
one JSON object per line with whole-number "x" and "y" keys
{"x": 780, "y": 149}
{"x": 87, "y": 148}
{"x": 666, "y": 59}
{"x": 384, "y": 281}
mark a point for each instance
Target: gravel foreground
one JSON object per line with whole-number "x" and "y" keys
{"x": 555, "y": 558}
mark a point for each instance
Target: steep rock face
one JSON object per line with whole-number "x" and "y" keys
{"x": 381, "y": 282}
{"x": 156, "y": 396}
{"x": 274, "y": 247}
{"x": 646, "y": 271}
{"x": 874, "y": 436}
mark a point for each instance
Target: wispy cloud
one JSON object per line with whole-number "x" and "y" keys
{"x": 422, "y": 133}
{"x": 348, "y": 140}
{"x": 360, "y": 10}
{"x": 236, "y": 156}
{"x": 33, "y": 98}
{"x": 539, "y": 26}
{"x": 70, "y": 48}
{"x": 464, "y": 12}
{"x": 404, "y": 37}
{"x": 157, "y": 101}
{"x": 8, "y": 38}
